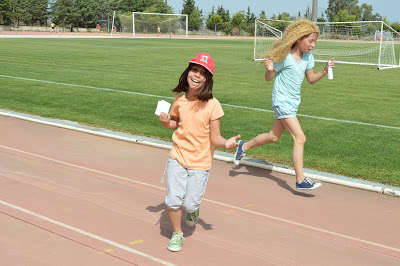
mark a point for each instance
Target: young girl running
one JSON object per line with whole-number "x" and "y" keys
{"x": 288, "y": 61}
{"x": 195, "y": 114}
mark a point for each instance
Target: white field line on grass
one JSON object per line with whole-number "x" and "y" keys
{"x": 223, "y": 104}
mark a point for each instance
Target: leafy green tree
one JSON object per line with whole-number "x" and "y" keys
{"x": 396, "y": 26}
{"x": 149, "y": 23}
{"x": 334, "y": 6}
{"x": 194, "y": 20}
{"x": 161, "y": 7}
{"x": 262, "y": 15}
{"x": 5, "y": 12}
{"x": 250, "y": 17}
{"x": 250, "y": 29}
{"x": 188, "y": 7}
{"x": 227, "y": 28}
{"x": 308, "y": 13}
{"x": 286, "y": 16}
{"x": 344, "y": 16}
{"x": 224, "y": 14}
{"x": 208, "y": 25}
{"x": 63, "y": 12}
{"x": 87, "y": 13}
{"x": 38, "y": 9}
{"x": 386, "y": 23}
{"x": 239, "y": 20}
{"x": 363, "y": 12}
{"x": 280, "y": 25}
{"x": 127, "y": 6}
{"x": 112, "y": 5}
{"x": 321, "y": 19}
{"x": 366, "y": 12}
{"x": 30, "y": 12}
{"x": 212, "y": 12}
{"x": 214, "y": 21}
{"x": 21, "y": 11}
{"x": 371, "y": 29}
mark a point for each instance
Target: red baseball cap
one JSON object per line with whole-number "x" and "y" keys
{"x": 205, "y": 60}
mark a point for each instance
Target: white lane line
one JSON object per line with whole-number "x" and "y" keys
{"x": 115, "y": 244}
{"x": 212, "y": 201}
{"x": 223, "y": 104}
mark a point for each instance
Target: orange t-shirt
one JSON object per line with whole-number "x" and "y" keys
{"x": 192, "y": 146}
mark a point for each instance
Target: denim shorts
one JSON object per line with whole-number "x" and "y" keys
{"x": 185, "y": 187}
{"x": 284, "y": 111}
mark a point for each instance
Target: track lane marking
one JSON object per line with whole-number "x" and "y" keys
{"x": 85, "y": 233}
{"x": 214, "y": 202}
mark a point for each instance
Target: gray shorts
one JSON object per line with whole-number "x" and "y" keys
{"x": 185, "y": 187}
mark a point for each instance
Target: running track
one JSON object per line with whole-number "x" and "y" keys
{"x": 70, "y": 198}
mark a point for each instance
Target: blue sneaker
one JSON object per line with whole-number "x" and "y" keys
{"x": 307, "y": 184}
{"x": 240, "y": 153}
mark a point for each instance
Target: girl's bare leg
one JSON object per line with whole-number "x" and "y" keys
{"x": 265, "y": 138}
{"x": 295, "y": 130}
{"x": 175, "y": 218}
{"x": 293, "y": 126}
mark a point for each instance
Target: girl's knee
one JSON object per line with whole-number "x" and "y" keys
{"x": 274, "y": 138}
{"x": 301, "y": 139}
{"x": 173, "y": 203}
{"x": 191, "y": 206}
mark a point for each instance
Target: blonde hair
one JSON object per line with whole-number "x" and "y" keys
{"x": 292, "y": 33}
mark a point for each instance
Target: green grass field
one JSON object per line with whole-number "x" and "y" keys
{"x": 151, "y": 67}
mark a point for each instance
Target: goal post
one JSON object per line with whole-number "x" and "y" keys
{"x": 356, "y": 42}
{"x": 149, "y": 25}
{"x": 264, "y": 36}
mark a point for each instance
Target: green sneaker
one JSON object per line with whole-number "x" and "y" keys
{"x": 192, "y": 217}
{"x": 176, "y": 242}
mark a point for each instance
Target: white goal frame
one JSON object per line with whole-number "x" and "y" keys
{"x": 161, "y": 14}
{"x": 374, "y": 46}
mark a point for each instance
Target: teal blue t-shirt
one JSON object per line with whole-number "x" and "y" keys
{"x": 288, "y": 80}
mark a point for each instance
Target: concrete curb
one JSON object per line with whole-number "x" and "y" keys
{"x": 222, "y": 156}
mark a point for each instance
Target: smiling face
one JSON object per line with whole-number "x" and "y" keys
{"x": 307, "y": 43}
{"x": 196, "y": 78}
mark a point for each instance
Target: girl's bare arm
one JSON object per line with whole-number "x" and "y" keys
{"x": 314, "y": 77}
{"x": 218, "y": 140}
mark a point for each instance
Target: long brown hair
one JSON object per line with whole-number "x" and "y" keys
{"x": 293, "y": 32}
{"x": 183, "y": 85}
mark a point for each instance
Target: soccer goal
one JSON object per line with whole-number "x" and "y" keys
{"x": 358, "y": 42}
{"x": 152, "y": 25}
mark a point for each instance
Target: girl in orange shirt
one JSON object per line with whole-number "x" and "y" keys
{"x": 195, "y": 114}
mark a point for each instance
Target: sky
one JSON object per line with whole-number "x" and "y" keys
{"x": 386, "y": 8}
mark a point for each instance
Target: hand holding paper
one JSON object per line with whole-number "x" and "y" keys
{"x": 162, "y": 107}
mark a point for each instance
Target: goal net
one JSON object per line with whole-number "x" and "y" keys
{"x": 149, "y": 25}
{"x": 125, "y": 24}
{"x": 360, "y": 42}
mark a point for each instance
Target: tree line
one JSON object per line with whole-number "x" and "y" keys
{"x": 86, "y": 13}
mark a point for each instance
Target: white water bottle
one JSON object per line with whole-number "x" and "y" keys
{"x": 330, "y": 71}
